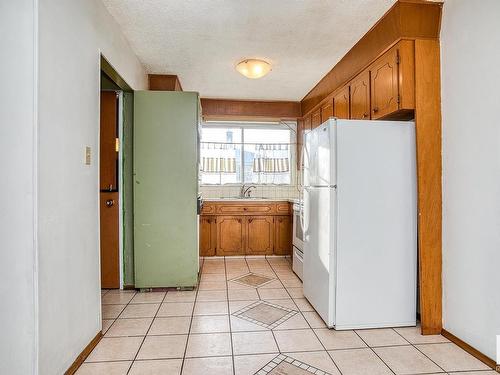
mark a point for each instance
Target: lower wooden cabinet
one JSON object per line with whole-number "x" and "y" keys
{"x": 282, "y": 235}
{"x": 224, "y": 235}
{"x": 230, "y": 235}
{"x": 259, "y": 235}
{"x": 208, "y": 236}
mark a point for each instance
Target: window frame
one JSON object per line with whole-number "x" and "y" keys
{"x": 290, "y": 125}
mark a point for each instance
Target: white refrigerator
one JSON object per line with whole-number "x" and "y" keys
{"x": 360, "y": 223}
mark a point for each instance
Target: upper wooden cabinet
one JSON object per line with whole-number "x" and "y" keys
{"x": 392, "y": 82}
{"x": 316, "y": 119}
{"x": 230, "y": 235}
{"x": 260, "y": 233}
{"x": 384, "y": 85}
{"x": 326, "y": 110}
{"x": 341, "y": 103}
{"x": 384, "y": 90}
{"x": 307, "y": 123}
{"x": 360, "y": 96}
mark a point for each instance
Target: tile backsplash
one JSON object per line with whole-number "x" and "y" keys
{"x": 261, "y": 191}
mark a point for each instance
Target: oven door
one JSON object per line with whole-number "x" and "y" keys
{"x": 298, "y": 234}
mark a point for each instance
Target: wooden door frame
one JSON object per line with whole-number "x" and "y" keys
{"x": 119, "y": 180}
{"x": 121, "y": 87}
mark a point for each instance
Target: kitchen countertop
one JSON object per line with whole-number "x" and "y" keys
{"x": 248, "y": 200}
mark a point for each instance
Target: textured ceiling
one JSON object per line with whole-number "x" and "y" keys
{"x": 202, "y": 40}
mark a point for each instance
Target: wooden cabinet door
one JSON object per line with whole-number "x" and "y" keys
{"x": 316, "y": 119}
{"x": 360, "y": 96}
{"x": 384, "y": 84}
{"x": 327, "y": 110}
{"x": 307, "y": 123}
{"x": 341, "y": 103}
{"x": 208, "y": 236}
{"x": 283, "y": 235}
{"x": 110, "y": 243}
{"x": 108, "y": 157}
{"x": 230, "y": 235}
{"x": 260, "y": 234}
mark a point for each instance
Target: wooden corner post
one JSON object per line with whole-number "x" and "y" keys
{"x": 428, "y": 135}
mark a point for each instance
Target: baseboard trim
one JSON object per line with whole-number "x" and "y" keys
{"x": 129, "y": 287}
{"x": 84, "y": 354}
{"x": 471, "y": 350}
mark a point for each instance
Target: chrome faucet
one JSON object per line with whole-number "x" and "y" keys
{"x": 245, "y": 191}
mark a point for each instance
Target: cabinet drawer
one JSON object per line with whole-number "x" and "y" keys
{"x": 283, "y": 208}
{"x": 246, "y": 209}
{"x": 208, "y": 208}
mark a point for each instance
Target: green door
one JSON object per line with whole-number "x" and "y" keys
{"x": 165, "y": 189}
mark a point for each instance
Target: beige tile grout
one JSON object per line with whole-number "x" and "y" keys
{"x": 191, "y": 319}
{"x": 252, "y": 269}
{"x": 310, "y": 327}
{"x": 229, "y": 317}
{"x": 144, "y": 338}
{"x": 425, "y": 355}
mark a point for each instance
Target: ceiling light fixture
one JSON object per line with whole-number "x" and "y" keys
{"x": 253, "y": 68}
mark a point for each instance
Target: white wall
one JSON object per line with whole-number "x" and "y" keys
{"x": 72, "y": 34}
{"x": 17, "y": 187}
{"x": 470, "y": 40}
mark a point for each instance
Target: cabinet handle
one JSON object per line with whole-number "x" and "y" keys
{"x": 365, "y": 115}
{"x": 375, "y": 110}
{"x": 244, "y": 208}
{"x": 110, "y": 202}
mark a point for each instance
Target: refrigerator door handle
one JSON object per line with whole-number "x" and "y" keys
{"x": 301, "y": 212}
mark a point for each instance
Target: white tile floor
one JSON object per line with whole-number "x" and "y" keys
{"x": 193, "y": 332}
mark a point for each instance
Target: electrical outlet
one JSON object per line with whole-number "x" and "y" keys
{"x": 88, "y": 155}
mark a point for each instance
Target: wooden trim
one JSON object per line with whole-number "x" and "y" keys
{"x": 429, "y": 172}
{"x": 112, "y": 74}
{"x": 164, "y": 82}
{"x": 84, "y": 354}
{"x": 406, "y": 19}
{"x": 229, "y": 109}
{"x": 471, "y": 350}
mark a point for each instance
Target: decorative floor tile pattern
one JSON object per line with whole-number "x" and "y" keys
{"x": 253, "y": 280}
{"x": 265, "y": 314}
{"x": 284, "y": 365}
{"x": 249, "y": 317}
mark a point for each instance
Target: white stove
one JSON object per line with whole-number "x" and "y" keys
{"x": 298, "y": 241}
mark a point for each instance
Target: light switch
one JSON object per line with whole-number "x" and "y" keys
{"x": 88, "y": 155}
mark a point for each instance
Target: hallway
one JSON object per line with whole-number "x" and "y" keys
{"x": 249, "y": 316}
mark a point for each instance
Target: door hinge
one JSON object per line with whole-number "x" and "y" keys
{"x": 399, "y": 99}
{"x": 398, "y": 59}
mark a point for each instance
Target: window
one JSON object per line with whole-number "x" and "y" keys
{"x": 237, "y": 153}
